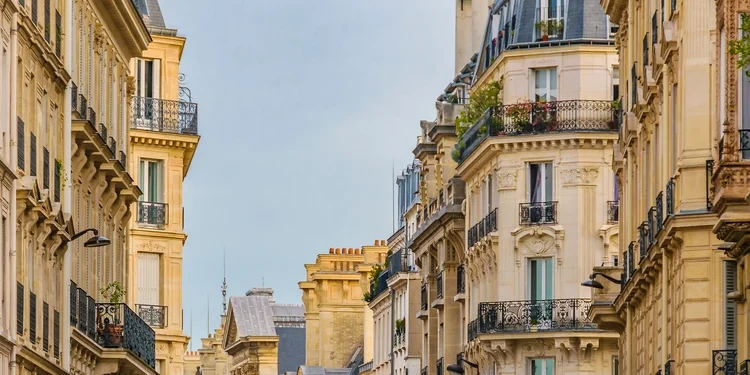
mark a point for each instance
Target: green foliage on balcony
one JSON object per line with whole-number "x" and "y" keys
{"x": 741, "y": 46}
{"x": 483, "y": 98}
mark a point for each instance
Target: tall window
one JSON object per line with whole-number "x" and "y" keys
{"x": 540, "y": 288}
{"x": 541, "y": 366}
{"x": 489, "y": 193}
{"x": 30, "y": 265}
{"x": 151, "y": 180}
{"x": 730, "y": 307}
{"x": 148, "y": 279}
{"x": 539, "y": 182}
{"x": 545, "y": 85}
{"x": 674, "y": 129}
{"x": 615, "y": 82}
{"x": 147, "y": 78}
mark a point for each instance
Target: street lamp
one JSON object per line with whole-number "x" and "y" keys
{"x": 95, "y": 241}
{"x": 592, "y": 283}
{"x": 457, "y": 369}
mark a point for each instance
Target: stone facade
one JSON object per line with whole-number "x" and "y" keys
{"x": 333, "y": 295}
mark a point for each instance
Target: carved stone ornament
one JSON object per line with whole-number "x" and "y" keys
{"x": 580, "y": 176}
{"x": 506, "y": 179}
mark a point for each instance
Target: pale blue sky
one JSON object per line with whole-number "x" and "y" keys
{"x": 303, "y": 105}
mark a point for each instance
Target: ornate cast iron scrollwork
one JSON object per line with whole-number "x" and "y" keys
{"x": 538, "y": 213}
{"x": 540, "y": 315}
{"x": 724, "y": 362}
{"x": 117, "y": 326}
{"x": 152, "y": 213}
{"x": 161, "y": 115}
{"x": 154, "y": 315}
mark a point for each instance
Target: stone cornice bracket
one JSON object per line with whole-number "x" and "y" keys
{"x": 585, "y": 344}
{"x": 502, "y": 351}
{"x": 568, "y": 350}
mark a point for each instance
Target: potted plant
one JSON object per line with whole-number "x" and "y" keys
{"x": 533, "y": 325}
{"x": 111, "y": 330}
{"x": 543, "y": 28}
{"x": 615, "y": 106}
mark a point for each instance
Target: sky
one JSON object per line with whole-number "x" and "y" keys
{"x": 304, "y": 109}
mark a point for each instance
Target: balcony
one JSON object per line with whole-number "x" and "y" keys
{"x": 119, "y": 327}
{"x": 425, "y": 371}
{"x": 472, "y": 330}
{"x": 367, "y": 366}
{"x": 724, "y": 362}
{"x": 530, "y": 118}
{"x": 439, "y": 364}
{"x": 613, "y": 212}
{"x": 82, "y": 311}
{"x": 380, "y": 285}
{"x": 152, "y": 213}
{"x": 423, "y": 297}
{"x": 154, "y": 315}
{"x": 539, "y": 213}
{"x": 535, "y": 316}
{"x": 167, "y": 116}
{"x": 549, "y": 23}
{"x": 487, "y": 225}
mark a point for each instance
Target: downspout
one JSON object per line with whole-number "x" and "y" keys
{"x": 13, "y": 210}
{"x": 67, "y": 188}
{"x": 664, "y": 277}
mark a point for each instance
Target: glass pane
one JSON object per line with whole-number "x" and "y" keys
{"x": 550, "y": 366}
{"x": 535, "y": 192}
{"x": 548, "y": 288}
{"x": 553, "y": 84}
{"x": 142, "y": 178}
{"x": 540, "y": 79}
{"x": 153, "y": 181}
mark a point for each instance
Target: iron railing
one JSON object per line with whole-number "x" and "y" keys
{"x": 645, "y": 52}
{"x": 531, "y": 316}
{"x": 154, "y": 315}
{"x": 540, "y": 117}
{"x": 92, "y": 116}
{"x": 670, "y": 197}
{"x": 439, "y": 280}
{"x": 123, "y": 160}
{"x": 744, "y": 367}
{"x": 161, "y": 115}
{"x": 643, "y": 243}
{"x": 633, "y": 85}
{"x": 668, "y": 367}
{"x": 56, "y": 333}
{"x": 724, "y": 362}
{"x": 655, "y": 29}
{"x": 613, "y": 211}
{"x": 744, "y": 141}
{"x": 21, "y": 145}
{"x": 487, "y": 225}
{"x": 631, "y": 259}
{"x": 103, "y": 133}
{"x": 425, "y": 371}
{"x": 367, "y": 366}
{"x": 84, "y": 104}
{"x": 461, "y": 279}
{"x": 119, "y": 327}
{"x": 380, "y": 285}
{"x": 113, "y": 147}
{"x": 85, "y": 312}
{"x": 537, "y": 213}
{"x": 152, "y": 213}
{"x": 73, "y": 96}
{"x": 439, "y": 364}
{"x": 45, "y": 326}
{"x": 472, "y": 329}
{"x": 423, "y": 296}
{"x": 651, "y": 225}
{"x": 73, "y": 304}
{"x": 659, "y": 211}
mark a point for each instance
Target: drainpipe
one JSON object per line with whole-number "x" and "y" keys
{"x": 13, "y": 210}
{"x": 67, "y": 188}
{"x": 664, "y": 276}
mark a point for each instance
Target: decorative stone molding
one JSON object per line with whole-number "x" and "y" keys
{"x": 539, "y": 240}
{"x": 579, "y": 176}
{"x": 152, "y": 247}
{"x": 506, "y": 179}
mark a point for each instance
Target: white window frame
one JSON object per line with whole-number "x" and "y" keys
{"x": 546, "y": 196}
{"x": 552, "y": 94}
{"x": 543, "y": 370}
{"x": 144, "y": 177}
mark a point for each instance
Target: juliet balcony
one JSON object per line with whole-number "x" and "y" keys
{"x": 152, "y": 213}
{"x": 154, "y": 315}
{"x": 531, "y": 118}
{"x": 166, "y": 116}
{"x": 554, "y": 315}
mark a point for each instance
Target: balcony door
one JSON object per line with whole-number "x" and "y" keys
{"x": 147, "y": 78}
{"x": 148, "y": 279}
{"x": 540, "y": 292}
{"x": 151, "y": 207}
{"x": 539, "y": 189}
{"x": 544, "y": 85}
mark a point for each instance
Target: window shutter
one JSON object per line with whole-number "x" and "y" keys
{"x": 21, "y": 146}
{"x": 148, "y": 279}
{"x": 730, "y": 312}
{"x": 45, "y": 168}
{"x": 156, "y": 79}
{"x": 32, "y": 155}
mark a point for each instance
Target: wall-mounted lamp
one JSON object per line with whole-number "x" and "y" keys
{"x": 592, "y": 283}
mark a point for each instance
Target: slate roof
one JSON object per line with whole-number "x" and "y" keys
{"x": 253, "y": 316}
{"x": 153, "y": 16}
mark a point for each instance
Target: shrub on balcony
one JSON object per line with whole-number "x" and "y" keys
{"x": 114, "y": 292}
{"x": 741, "y": 46}
{"x": 483, "y": 98}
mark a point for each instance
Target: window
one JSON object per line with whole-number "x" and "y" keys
{"x": 541, "y": 366}
{"x": 30, "y": 265}
{"x": 489, "y": 193}
{"x": 673, "y": 118}
{"x": 539, "y": 182}
{"x": 615, "y": 365}
{"x": 545, "y": 85}
{"x": 730, "y": 308}
{"x": 540, "y": 288}
{"x": 151, "y": 180}
{"x": 148, "y": 279}
{"x": 147, "y": 78}
{"x": 615, "y": 260}
{"x": 615, "y": 82}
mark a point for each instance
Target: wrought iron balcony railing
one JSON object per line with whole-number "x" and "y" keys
{"x": 670, "y": 197}
{"x": 536, "y": 117}
{"x": 643, "y": 242}
{"x": 744, "y": 367}
{"x": 19, "y": 308}
{"x": 461, "y": 279}
{"x": 380, "y": 285}
{"x": 613, "y": 211}
{"x": 439, "y": 280}
{"x": 423, "y": 297}
{"x": 73, "y": 96}
{"x": 123, "y": 160}
{"x": 472, "y": 329}
{"x": 532, "y": 316}
{"x": 724, "y": 362}
{"x": 537, "y": 213}
{"x": 154, "y": 315}
{"x": 117, "y": 326}
{"x": 487, "y": 225}
{"x": 425, "y": 371}
{"x": 439, "y": 364}
{"x": 103, "y": 133}
{"x": 152, "y": 213}
{"x": 659, "y": 212}
{"x": 168, "y": 116}
{"x": 709, "y": 190}
{"x": 83, "y": 104}
{"x": 668, "y": 367}
{"x": 82, "y": 311}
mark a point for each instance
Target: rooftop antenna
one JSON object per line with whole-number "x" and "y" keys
{"x": 224, "y": 285}
{"x": 263, "y": 282}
